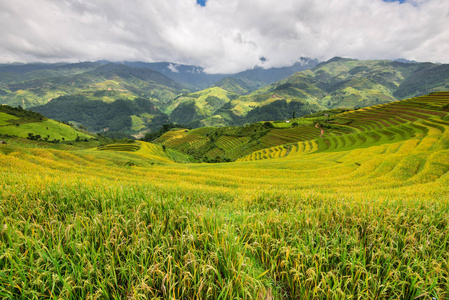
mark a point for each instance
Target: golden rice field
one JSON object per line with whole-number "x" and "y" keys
{"x": 343, "y": 222}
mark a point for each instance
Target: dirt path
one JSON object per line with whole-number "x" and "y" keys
{"x": 317, "y": 125}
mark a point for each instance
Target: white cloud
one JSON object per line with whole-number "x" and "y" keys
{"x": 225, "y": 35}
{"x": 172, "y": 68}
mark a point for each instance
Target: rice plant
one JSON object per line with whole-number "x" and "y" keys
{"x": 350, "y": 216}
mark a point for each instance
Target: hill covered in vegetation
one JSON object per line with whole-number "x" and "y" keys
{"x": 92, "y": 87}
{"x": 104, "y": 82}
{"x": 128, "y": 116}
{"x": 342, "y": 204}
{"x": 196, "y": 77}
{"x": 326, "y": 130}
{"x": 17, "y": 122}
{"x": 337, "y": 83}
{"x": 235, "y": 100}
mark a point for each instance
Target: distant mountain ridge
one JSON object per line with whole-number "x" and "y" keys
{"x": 196, "y": 77}
{"x": 173, "y": 90}
{"x": 49, "y": 88}
{"x": 39, "y": 83}
{"x": 116, "y": 81}
{"x": 338, "y": 82}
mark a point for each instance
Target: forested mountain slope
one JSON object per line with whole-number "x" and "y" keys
{"x": 337, "y": 83}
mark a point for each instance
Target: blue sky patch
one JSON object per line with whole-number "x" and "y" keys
{"x": 400, "y": 1}
{"x": 201, "y": 2}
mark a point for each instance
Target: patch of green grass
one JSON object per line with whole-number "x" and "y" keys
{"x": 45, "y": 128}
{"x": 4, "y": 118}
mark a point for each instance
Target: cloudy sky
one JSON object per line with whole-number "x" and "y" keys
{"x": 223, "y": 35}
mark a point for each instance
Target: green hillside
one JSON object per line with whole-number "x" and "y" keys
{"x": 239, "y": 86}
{"x": 129, "y": 116}
{"x": 352, "y": 83}
{"x": 102, "y": 97}
{"x": 15, "y": 73}
{"x": 337, "y": 83}
{"x": 27, "y": 124}
{"x": 233, "y": 100}
{"x": 328, "y": 130}
{"x": 105, "y": 82}
{"x": 336, "y": 205}
{"x": 199, "y": 106}
{"x": 420, "y": 121}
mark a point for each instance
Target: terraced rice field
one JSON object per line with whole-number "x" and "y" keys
{"x": 404, "y": 120}
{"x": 214, "y": 153}
{"x": 171, "y": 135}
{"x": 365, "y": 218}
{"x": 231, "y": 142}
{"x": 120, "y": 147}
{"x": 229, "y": 146}
{"x": 181, "y": 140}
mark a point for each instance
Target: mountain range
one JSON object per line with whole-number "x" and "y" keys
{"x": 138, "y": 97}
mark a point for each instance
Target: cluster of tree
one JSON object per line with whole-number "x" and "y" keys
{"x": 427, "y": 77}
{"x": 279, "y": 110}
{"x": 107, "y": 141}
{"x": 215, "y": 103}
{"x": 19, "y": 112}
{"x": 217, "y": 159}
{"x": 78, "y": 139}
{"x": 283, "y": 86}
{"x": 185, "y": 112}
{"x": 38, "y": 137}
{"x": 98, "y": 115}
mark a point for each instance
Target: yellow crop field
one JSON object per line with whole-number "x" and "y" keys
{"x": 354, "y": 219}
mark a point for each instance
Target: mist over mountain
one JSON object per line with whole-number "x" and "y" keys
{"x": 187, "y": 94}
{"x": 196, "y": 77}
{"x": 336, "y": 83}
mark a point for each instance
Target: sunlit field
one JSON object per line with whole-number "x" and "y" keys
{"x": 350, "y": 218}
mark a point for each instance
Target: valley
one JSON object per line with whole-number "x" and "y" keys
{"x": 84, "y": 93}
{"x": 224, "y": 150}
